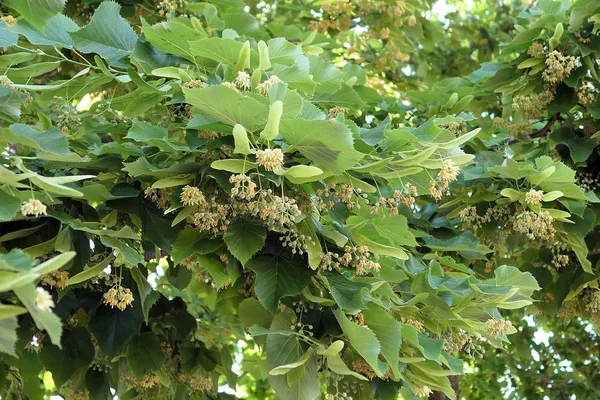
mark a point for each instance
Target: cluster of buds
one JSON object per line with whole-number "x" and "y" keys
{"x": 406, "y": 196}
{"x": 270, "y": 159}
{"x": 56, "y": 278}
{"x": 581, "y": 39}
{"x": 356, "y": 257}
{"x": 393, "y": 9}
{"x": 196, "y": 83}
{"x": 586, "y": 181}
{"x": 298, "y": 243}
{"x": 212, "y": 217}
{"x": 335, "y": 111}
{"x": 558, "y": 67}
{"x": 339, "y": 193}
{"x": 118, "y": 297}
{"x": 534, "y": 196}
{"x": 160, "y": 197}
{"x": 164, "y": 7}
{"x": 498, "y": 213}
{"x": 496, "y": 327}
{"x": 263, "y": 88}
{"x": 33, "y": 207}
{"x": 535, "y": 225}
{"x": 43, "y": 299}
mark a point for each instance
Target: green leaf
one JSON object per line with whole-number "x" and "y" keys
{"x": 7, "y": 37}
{"x": 326, "y": 75}
{"x": 90, "y": 272}
{"x": 337, "y": 365}
{"x": 284, "y": 369}
{"x": 77, "y": 353}
{"x": 277, "y": 277}
{"x": 144, "y": 354}
{"x": 191, "y": 241}
{"x": 9, "y": 206}
{"x": 388, "y": 332}
{"x": 347, "y": 294}
{"x": 97, "y": 385}
{"x": 221, "y": 50}
{"x": 511, "y": 276}
{"x": 227, "y": 106}
{"x": 55, "y": 33}
{"x": 282, "y": 350}
{"x": 215, "y": 268}
{"x": 172, "y": 37}
{"x": 251, "y": 312}
{"x": 245, "y": 237}
{"x": 108, "y": 34}
{"x": 329, "y": 145}
{"x": 363, "y": 340}
{"x": 50, "y": 141}
{"x": 113, "y": 327}
{"x": 299, "y": 174}
{"x": 8, "y": 334}
{"x": 38, "y": 12}
{"x": 9, "y": 311}
{"x": 44, "y": 320}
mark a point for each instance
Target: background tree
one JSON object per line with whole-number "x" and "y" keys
{"x": 335, "y": 199}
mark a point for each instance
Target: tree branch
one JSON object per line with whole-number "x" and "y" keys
{"x": 535, "y": 134}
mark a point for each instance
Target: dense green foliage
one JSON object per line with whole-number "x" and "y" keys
{"x": 341, "y": 200}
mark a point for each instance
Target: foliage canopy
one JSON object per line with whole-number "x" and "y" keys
{"x": 345, "y": 200}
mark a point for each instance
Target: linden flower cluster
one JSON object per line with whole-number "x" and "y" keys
{"x": 423, "y": 391}
{"x": 56, "y": 278}
{"x": 230, "y": 85}
{"x": 363, "y": 368}
{"x": 196, "y": 83}
{"x": 534, "y": 196}
{"x": 270, "y": 159}
{"x": 160, "y": 197}
{"x": 43, "y": 299}
{"x": 33, "y": 207}
{"x": 263, "y": 88}
{"x": 243, "y": 80}
{"x": 586, "y": 95}
{"x": 448, "y": 173}
{"x": 118, "y": 297}
{"x": 532, "y": 106}
{"x": 192, "y": 196}
{"x": 197, "y": 382}
{"x": 558, "y": 67}
{"x": 357, "y": 257}
{"x": 535, "y": 225}
{"x": 535, "y": 49}
{"x": 8, "y": 20}
{"x": 497, "y": 327}
{"x": 244, "y": 188}
{"x": 592, "y": 301}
